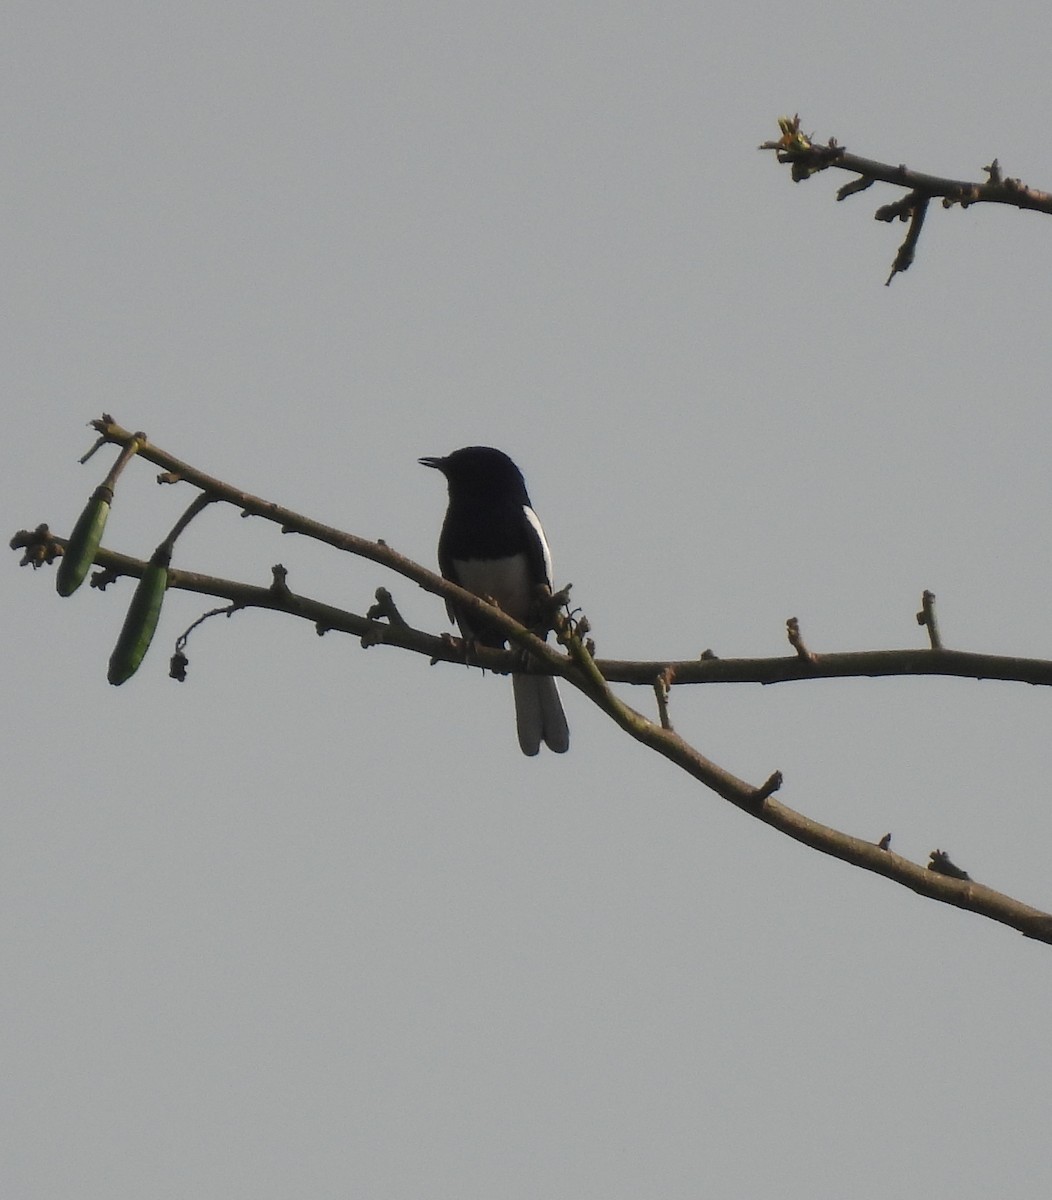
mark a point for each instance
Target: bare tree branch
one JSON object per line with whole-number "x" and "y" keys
{"x": 806, "y": 159}
{"x": 941, "y": 880}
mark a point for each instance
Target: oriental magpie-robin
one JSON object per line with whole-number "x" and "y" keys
{"x": 492, "y": 544}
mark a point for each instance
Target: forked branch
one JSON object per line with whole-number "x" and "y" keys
{"x": 806, "y": 158}
{"x": 576, "y": 662}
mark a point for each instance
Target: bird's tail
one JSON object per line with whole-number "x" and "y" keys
{"x": 539, "y": 714}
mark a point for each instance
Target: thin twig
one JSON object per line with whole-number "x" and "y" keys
{"x": 792, "y": 629}
{"x": 940, "y": 862}
{"x": 926, "y": 617}
{"x": 386, "y": 609}
{"x": 662, "y": 687}
{"x": 918, "y": 209}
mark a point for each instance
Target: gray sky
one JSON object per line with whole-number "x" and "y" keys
{"x": 309, "y": 924}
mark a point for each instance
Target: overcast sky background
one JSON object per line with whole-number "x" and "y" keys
{"x": 309, "y": 924}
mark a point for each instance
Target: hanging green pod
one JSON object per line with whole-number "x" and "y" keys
{"x": 143, "y": 612}
{"x": 84, "y": 541}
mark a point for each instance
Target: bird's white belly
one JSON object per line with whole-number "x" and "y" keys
{"x": 505, "y": 579}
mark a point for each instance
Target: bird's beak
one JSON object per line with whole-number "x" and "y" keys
{"x": 437, "y": 463}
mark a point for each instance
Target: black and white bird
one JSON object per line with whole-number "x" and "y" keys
{"x": 492, "y": 544}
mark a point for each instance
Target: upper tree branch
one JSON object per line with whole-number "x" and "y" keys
{"x": 806, "y": 159}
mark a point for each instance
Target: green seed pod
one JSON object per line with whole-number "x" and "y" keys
{"x": 141, "y": 621}
{"x": 84, "y": 541}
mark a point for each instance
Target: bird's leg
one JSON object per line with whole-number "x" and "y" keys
{"x": 464, "y": 647}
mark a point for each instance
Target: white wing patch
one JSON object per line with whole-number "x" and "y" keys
{"x": 531, "y": 516}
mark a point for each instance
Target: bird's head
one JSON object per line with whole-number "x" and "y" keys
{"x": 480, "y": 471}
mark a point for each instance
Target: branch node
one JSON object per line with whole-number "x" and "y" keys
{"x": 98, "y": 446}
{"x": 926, "y": 617}
{"x": 855, "y": 186}
{"x": 374, "y": 636}
{"x": 915, "y": 206}
{"x": 103, "y": 578}
{"x": 767, "y": 789}
{"x": 102, "y": 425}
{"x": 662, "y": 687}
{"x": 455, "y": 645}
{"x": 897, "y": 210}
{"x": 279, "y": 585}
{"x": 386, "y": 609}
{"x": 941, "y": 865}
{"x": 38, "y": 545}
{"x": 792, "y": 629}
